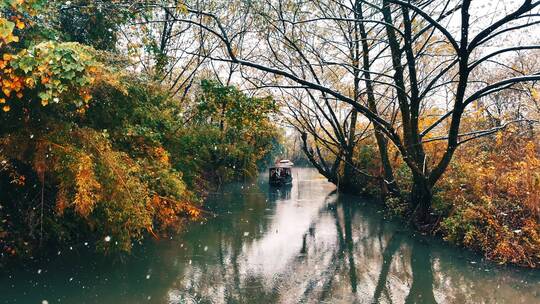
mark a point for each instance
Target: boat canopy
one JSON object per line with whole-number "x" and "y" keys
{"x": 284, "y": 164}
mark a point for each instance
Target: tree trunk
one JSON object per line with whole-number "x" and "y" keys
{"x": 421, "y": 196}
{"x": 389, "y": 184}
{"x": 347, "y": 182}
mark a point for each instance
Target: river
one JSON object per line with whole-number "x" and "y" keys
{"x": 304, "y": 244}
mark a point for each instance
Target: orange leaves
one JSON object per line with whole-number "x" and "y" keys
{"x": 530, "y": 177}
{"x": 43, "y": 68}
{"x": 92, "y": 69}
{"x": 86, "y": 96}
{"x": 162, "y": 155}
{"x": 16, "y": 3}
{"x": 11, "y": 84}
{"x": 499, "y": 139}
{"x": 20, "y": 25}
{"x": 88, "y": 188}
{"x": 508, "y": 172}
{"x": 17, "y": 179}
{"x": 21, "y": 181}
{"x": 29, "y": 82}
{"x": 61, "y": 200}
{"x": 9, "y": 80}
{"x": 169, "y": 212}
{"x": 193, "y": 212}
{"x": 496, "y": 198}
{"x": 75, "y": 171}
{"x": 166, "y": 211}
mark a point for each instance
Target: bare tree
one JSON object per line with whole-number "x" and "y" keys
{"x": 426, "y": 57}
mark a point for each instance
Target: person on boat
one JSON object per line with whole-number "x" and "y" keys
{"x": 287, "y": 173}
{"x": 274, "y": 173}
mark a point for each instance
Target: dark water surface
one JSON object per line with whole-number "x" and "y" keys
{"x": 304, "y": 244}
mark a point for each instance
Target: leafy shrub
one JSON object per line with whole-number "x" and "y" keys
{"x": 396, "y": 207}
{"x": 503, "y": 231}
{"x": 495, "y": 191}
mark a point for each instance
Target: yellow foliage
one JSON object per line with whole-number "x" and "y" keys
{"x": 535, "y": 94}
{"x": 20, "y": 25}
{"x": 87, "y": 187}
{"x": 162, "y": 155}
{"x": 61, "y": 200}
{"x": 495, "y": 191}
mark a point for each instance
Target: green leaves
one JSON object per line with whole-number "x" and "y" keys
{"x": 46, "y": 95}
{"x": 6, "y": 28}
{"x": 229, "y": 107}
{"x": 229, "y": 135}
{"x": 26, "y": 7}
{"x": 25, "y": 63}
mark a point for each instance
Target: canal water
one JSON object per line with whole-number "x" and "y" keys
{"x": 303, "y": 244}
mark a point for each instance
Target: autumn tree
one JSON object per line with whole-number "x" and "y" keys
{"x": 62, "y": 176}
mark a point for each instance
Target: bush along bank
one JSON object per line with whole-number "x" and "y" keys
{"x": 125, "y": 167}
{"x": 488, "y": 200}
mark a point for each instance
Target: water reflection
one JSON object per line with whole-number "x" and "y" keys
{"x": 282, "y": 193}
{"x": 303, "y": 244}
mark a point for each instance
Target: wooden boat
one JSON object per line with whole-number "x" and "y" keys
{"x": 281, "y": 173}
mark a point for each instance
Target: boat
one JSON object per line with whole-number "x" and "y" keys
{"x": 281, "y": 173}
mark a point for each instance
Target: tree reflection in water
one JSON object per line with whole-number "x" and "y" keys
{"x": 304, "y": 244}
